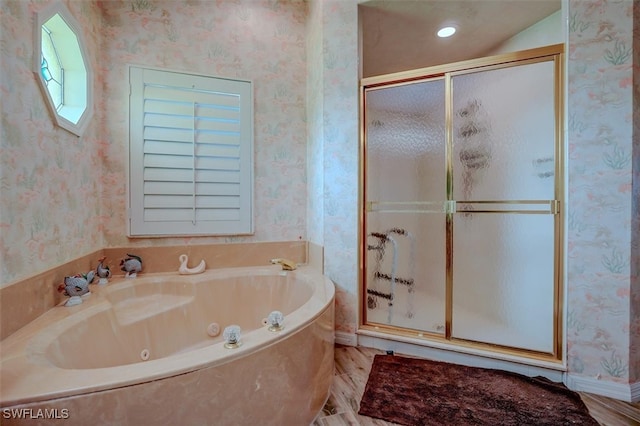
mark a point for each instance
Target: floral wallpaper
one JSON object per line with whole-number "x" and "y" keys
{"x": 49, "y": 178}
{"x": 64, "y": 196}
{"x": 634, "y": 295}
{"x": 335, "y": 50}
{"x": 262, "y": 41}
{"x": 315, "y": 151}
{"x": 600, "y": 323}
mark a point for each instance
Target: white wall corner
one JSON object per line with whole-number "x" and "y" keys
{"x": 315, "y": 256}
{"x": 346, "y": 339}
{"x": 629, "y": 392}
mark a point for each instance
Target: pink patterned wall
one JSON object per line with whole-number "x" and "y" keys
{"x": 64, "y": 196}
{"x": 635, "y": 209}
{"x": 335, "y": 50}
{"x": 601, "y": 323}
{"x": 50, "y": 207}
{"x": 262, "y": 41}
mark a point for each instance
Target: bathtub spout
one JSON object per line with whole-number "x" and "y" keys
{"x": 287, "y": 265}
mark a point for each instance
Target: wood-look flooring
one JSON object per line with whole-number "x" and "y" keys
{"x": 352, "y": 366}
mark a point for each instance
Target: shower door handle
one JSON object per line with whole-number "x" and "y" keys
{"x": 508, "y": 206}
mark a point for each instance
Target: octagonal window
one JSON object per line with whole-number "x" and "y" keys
{"x": 62, "y": 68}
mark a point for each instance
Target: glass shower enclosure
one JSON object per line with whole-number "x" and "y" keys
{"x": 461, "y": 196}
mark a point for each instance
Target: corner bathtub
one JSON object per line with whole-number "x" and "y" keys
{"x": 84, "y": 364}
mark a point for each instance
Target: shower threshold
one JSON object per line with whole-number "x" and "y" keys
{"x": 372, "y": 337}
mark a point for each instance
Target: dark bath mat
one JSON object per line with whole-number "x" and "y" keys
{"x": 419, "y": 392}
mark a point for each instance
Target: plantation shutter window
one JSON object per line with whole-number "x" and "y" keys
{"x": 191, "y": 154}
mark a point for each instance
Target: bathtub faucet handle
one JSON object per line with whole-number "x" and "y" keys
{"x": 231, "y": 336}
{"x": 275, "y": 321}
{"x": 287, "y": 265}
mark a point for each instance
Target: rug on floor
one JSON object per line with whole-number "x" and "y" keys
{"x": 412, "y": 392}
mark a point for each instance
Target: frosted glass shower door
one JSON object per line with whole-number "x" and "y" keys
{"x": 462, "y": 189}
{"x": 404, "y": 194}
{"x": 504, "y": 183}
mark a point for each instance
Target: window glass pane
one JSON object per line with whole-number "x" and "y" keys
{"x": 62, "y": 69}
{"x": 51, "y": 67}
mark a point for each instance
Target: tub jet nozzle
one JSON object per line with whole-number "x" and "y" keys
{"x": 213, "y": 329}
{"x": 144, "y": 354}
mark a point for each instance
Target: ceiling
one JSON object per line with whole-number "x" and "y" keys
{"x": 399, "y": 35}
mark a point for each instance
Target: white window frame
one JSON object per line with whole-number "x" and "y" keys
{"x": 77, "y": 108}
{"x": 216, "y": 165}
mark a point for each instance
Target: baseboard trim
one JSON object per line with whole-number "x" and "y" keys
{"x": 346, "y": 339}
{"x": 629, "y": 392}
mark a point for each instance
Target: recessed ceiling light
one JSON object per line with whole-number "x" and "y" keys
{"x": 446, "y": 32}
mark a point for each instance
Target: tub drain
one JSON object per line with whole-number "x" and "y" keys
{"x": 144, "y": 355}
